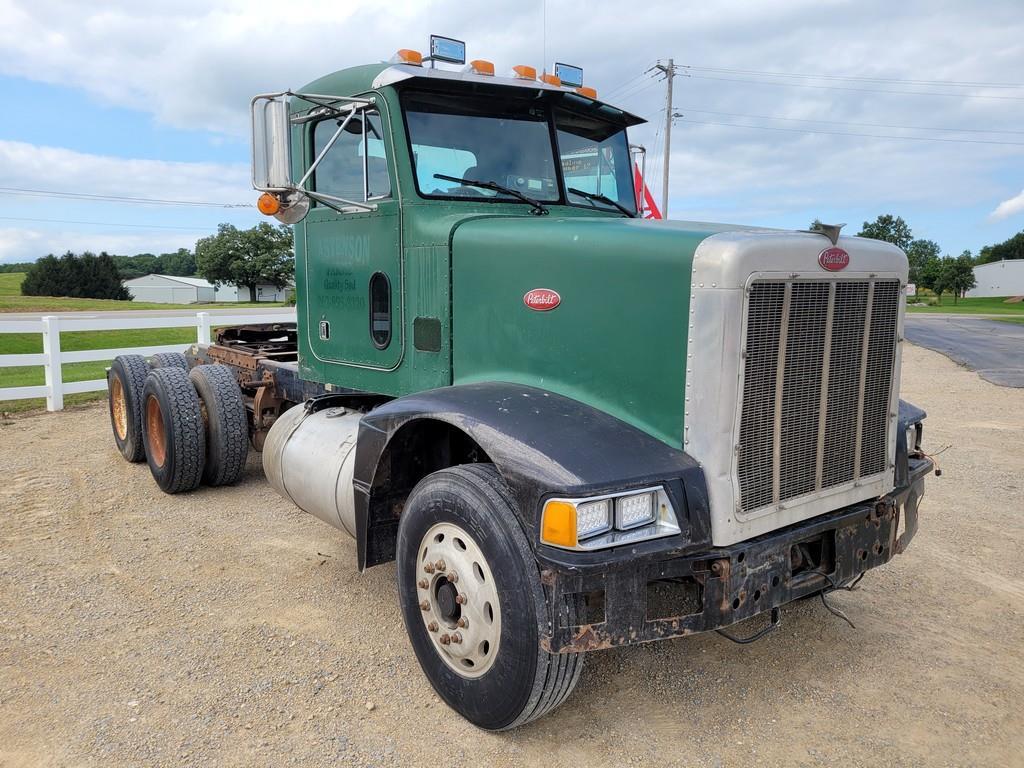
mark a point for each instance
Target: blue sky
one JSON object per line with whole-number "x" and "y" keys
{"x": 151, "y": 101}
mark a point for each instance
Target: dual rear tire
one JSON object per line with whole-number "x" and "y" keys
{"x": 190, "y": 426}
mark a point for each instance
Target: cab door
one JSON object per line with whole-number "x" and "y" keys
{"x": 353, "y": 262}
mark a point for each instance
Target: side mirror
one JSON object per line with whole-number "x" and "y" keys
{"x": 284, "y": 198}
{"x": 271, "y": 144}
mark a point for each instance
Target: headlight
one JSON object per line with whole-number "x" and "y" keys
{"x": 605, "y": 521}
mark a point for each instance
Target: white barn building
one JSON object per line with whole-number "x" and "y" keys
{"x": 170, "y": 289}
{"x": 999, "y": 278}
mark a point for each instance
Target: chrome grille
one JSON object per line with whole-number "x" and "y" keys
{"x": 796, "y": 435}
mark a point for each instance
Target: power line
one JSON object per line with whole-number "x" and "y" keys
{"x": 948, "y": 83}
{"x": 863, "y": 135}
{"x": 105, "y": 223}
{"x": 117, "y": 198}
{"x": 625, "y": 86}
{"x": 859, "y": 90}
{"x": 860, "y": 125}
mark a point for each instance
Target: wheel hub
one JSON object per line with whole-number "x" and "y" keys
{"x": 458, "y": 600}
{"x": 120, "y": 407}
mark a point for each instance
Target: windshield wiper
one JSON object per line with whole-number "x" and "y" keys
{"x": 602, "y": 199}
{"x": 535, "y": 207}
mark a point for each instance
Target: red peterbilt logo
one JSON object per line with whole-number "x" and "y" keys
{"x": 834, "y": 259}
{"x": 542, "y": 299}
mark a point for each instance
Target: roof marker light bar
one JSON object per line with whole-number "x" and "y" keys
{"x": 408, "y": 56}
{"x": 480, "y": 67}
{"x": 523, "y": 72}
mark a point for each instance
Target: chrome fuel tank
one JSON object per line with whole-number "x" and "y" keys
{"x": 309, "y": 457}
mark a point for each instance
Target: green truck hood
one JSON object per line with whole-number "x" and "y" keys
{"x": 617, "y": 339}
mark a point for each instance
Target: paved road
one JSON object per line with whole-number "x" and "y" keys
{"x": 149, "y": 313}
{"x": 994, "y": 349}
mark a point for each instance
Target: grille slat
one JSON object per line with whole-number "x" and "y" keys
{"x": 803, "y": 337}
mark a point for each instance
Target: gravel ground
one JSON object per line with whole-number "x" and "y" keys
{"x": 225, "y": 627}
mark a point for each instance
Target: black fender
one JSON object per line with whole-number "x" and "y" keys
{"x": 543, "y": 444}
{"x": 908, "y": 414}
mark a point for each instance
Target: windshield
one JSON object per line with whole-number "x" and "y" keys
{"x": 508, "y": 141}
{"x": 475, "y": 138}
{"x": 595, "y": 159}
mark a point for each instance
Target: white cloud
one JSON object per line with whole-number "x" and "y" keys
{"x": 1008, "y": 208}
{"x": 194, "y": 64}
{"x": 30, "y": 166}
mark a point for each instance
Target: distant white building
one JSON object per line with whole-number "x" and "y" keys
{"x": 999, "y": 278}
{"x": 170, "y": 289}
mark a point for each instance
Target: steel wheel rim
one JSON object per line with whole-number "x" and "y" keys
{"x": 119, "y": 408}
{"x": 450, "y": 565}
{"x": 156, "y": 437}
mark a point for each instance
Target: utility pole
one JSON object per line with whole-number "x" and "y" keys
{"x": 669, "y": 70}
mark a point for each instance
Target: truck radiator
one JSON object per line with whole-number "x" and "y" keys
{"x": 817, "y": 381}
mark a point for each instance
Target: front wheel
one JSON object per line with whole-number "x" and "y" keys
{"x": 473, "y": 603}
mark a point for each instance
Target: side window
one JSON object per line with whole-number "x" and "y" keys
{"x": 380, "y": 310}
{"x": 355, "y": 167}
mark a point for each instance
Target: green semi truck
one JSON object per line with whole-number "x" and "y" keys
{"x": 570, "y": 428}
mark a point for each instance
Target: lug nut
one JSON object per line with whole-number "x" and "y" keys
{"x": 461, "y": 599}
{"x": 456, "y": 637}
{"x": 432, "y": 626}
{"x": 425, "y": 606}
{"x": 463, "y": 622}
{"x": 423, "y": 584}
{"x": 428, "y": 568}
{"x": 445, "y": 639}
{"x": 440, "y": 565}
{"x": 453, "y": 577}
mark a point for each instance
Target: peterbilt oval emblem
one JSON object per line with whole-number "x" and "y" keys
{"x": 542, "y": 299}
{"x": 834, "y": 259}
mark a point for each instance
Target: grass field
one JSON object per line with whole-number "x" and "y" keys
{"x": 11, "y": 300}
{"x": 980, "y": 306}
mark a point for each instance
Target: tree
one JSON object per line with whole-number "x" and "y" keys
{"x": 891, "y": 229}
{"x": 247, "y": 257}
{"x": 958, "y": 274}
{"x": 919, "y": 252}
{"x": 87, "y": 276}
{"x": 181, "y": 263}
{"x": 1008, "y": 249}
{"x": 931, "y": 275}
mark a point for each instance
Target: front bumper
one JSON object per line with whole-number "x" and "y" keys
{"x": 651, "y": 599}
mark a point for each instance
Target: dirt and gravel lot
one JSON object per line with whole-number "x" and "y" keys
{"x": 225, "y": 627}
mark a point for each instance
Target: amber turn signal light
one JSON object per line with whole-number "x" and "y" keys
{"x": 268, "y": 204}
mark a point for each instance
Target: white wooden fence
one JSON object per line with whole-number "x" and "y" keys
{"x": 51, "y": 357}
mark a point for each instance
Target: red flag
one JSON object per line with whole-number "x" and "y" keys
{"x": 643, "y": 193}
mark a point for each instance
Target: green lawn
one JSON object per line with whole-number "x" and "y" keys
{"x": 980, "y": 306}
{"x": 11, "y": 300}
{"x": 10, "y": 283}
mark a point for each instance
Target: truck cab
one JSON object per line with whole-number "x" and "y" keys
{"x": 570, "y": 427}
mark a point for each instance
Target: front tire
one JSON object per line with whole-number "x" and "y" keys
{"x": 477, "y": 636}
